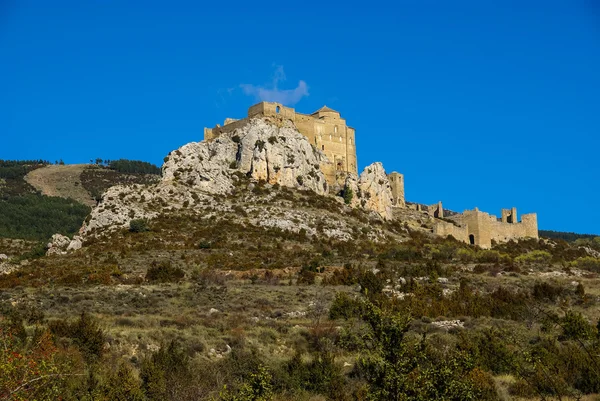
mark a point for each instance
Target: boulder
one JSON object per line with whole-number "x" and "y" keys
{"x": 75, "y": 243}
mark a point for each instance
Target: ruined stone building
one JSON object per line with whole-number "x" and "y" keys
{"x": 324, "y": 128}
{"x": 480, "y": 228}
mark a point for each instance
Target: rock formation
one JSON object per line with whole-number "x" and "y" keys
{"x": 262, "y": 150}
{"x": 59, "y": 244}
{"x": 371, "y": 191}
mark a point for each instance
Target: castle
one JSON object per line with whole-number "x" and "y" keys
{"x": 327, "y": 131}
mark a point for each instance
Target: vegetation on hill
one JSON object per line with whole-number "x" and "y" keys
{"x": 569, "y": 237}
{"x": 212, "y": 305}
{"x": 27, "y": 214}
{"x": 37, "y": 217}
{"x": 12, "y": 173}
{"x": 134, "y": 167}
{"x": 97, "y": 179}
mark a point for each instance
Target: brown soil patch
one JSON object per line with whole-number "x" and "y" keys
{"x": 62, "y": 181}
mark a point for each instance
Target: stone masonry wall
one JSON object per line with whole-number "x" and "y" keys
{"x": 483, "y": 228}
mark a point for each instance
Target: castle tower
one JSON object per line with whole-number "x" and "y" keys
{"x": 397, "y": 185}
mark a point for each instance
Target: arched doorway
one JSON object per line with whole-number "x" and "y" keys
{"x": 472, "y": 239}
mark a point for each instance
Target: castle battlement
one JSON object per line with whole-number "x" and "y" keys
{"x": 325, "y": 129}
{"x": 480, "y": 228}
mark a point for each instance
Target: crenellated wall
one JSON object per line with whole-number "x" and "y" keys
{"x": 483, "y": 228}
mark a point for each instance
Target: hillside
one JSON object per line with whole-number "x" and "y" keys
{"x": 38, "y": 199}
{"x": 240, "y": 275}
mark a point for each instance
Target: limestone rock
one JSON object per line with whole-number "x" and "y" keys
{"x": 3, "y": 257}
{"x": 371, "y": 191}
{"x": 58, "y": 244}
{"x": 261, "y": 150}
{"x": 75, "y": 243}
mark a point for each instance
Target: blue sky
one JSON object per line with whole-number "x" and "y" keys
{"x": 479, "y": 103}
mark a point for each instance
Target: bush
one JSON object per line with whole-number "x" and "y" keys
{"x": 587, "y": 263}
{"x": 138, "y": 226}
{"x": 487, "y": 256}
{"x": 546, "y": 291}
{"x": 575, "y": 326}
{"x": 164, "y": 272}
{"x": 85, "y": 333}
{"x": 164, "y": 372}
{"x": 348, "y": 195}
{"x": 535, "y": 257}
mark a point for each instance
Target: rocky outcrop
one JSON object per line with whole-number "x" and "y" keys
{"x": 261, "y": 150}
{"x": 59, "y": 244}
{"x": 371, "y": 191}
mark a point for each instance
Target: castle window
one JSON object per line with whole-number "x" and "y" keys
{"x": 322, "y": 147}
{"x": 277, "y": 109}
{"x": 340, "y": 139}
{"x": 330, "y": 137}
{"x": 335, "y": 129}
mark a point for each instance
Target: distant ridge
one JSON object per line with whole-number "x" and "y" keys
{"x": 567, "y": 236}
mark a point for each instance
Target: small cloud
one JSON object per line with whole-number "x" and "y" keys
{"x": 272, "y": 93}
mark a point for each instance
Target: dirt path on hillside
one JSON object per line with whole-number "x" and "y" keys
{"x": 63, "y": 181}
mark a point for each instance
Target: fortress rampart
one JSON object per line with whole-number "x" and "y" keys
{"x": 480, "y": 228}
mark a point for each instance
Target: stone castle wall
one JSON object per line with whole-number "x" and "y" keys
{"x": 325, "y": 130}
{"x": 483, "y": 228}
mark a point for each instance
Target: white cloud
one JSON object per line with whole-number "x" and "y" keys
{"x": 272, "y": 93}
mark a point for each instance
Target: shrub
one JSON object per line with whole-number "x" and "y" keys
{"x": 258, "y": 387}
{"x": 138, "y": 225}
{"x": 536, "y": 257}
{"x": 164, "y": 272}
{"x": 588, "y": 263}
{"x": 546, "y": 291}
{"x": 164, "y": 371}
{"x": 260, "y": 145}
{"x": 85, "y": 333}
{"x": 465, "y": 255}
{"x": 575, "y": 326}
{"x": 348, "y": 194}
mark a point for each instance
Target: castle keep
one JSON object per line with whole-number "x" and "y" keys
{"x": 327, "y": 131}
{"x": 324, "y": 128}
